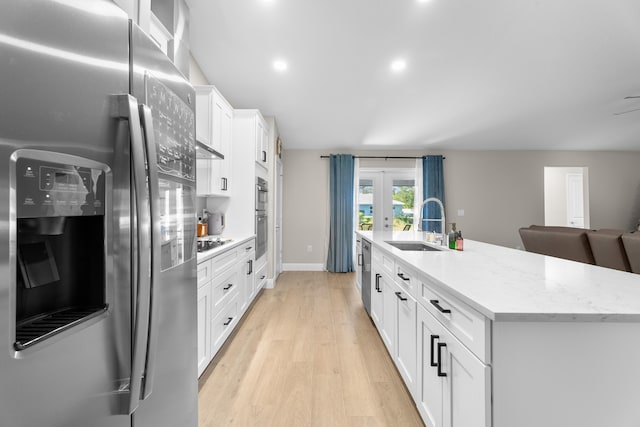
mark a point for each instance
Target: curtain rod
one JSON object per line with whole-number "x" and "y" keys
{"x": 384, "y": 157}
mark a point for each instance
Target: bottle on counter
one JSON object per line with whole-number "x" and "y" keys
{"x": 459, "y": 241}
{"x": 452, "y": 236}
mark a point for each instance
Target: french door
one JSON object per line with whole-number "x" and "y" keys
{"x": 385, "y": 200}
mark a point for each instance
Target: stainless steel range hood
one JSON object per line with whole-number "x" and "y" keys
{"x": 203, "y": 151}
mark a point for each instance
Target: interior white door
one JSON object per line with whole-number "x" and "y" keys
{"x": 575, "y": 200}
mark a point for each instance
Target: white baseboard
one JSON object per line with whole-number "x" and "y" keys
{"x": 303, "y": 267}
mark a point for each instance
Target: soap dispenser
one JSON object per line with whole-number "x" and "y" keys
{"x": 452, "y": 236}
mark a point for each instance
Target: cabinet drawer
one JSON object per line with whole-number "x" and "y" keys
{"x": 466, "y": 324}
{"x": 223, "y": 261}
{"x": 406, "y": 278}
{"x": 204, "y": 272}
{"x": 384, "y": 260}
{"x": 223, "y": 324}
{"x": 224, "y": 289}
{"x": 261, "y": 277}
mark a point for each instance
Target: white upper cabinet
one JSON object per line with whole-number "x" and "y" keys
{"x": 214, "y": 127}
{"x": 262, "y": 142}
{"x": 214, "y": 119}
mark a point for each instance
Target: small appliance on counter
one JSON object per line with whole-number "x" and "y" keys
{"x": 215, "y": 222}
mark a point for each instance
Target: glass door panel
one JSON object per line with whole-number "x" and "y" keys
{"x": 400, "y": 207}
{"x": 366, "y": 201}
{"x": 385, "y": 200}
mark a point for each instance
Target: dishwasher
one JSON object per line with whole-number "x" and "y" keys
{"x": 366, "y": 275}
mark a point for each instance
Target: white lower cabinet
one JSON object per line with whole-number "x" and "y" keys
{"x": 440, "y": 346}
{"x": 405, "y": 333}
{"x": 387, "y": 329}
{"x": 223, "y": 323}
{"x": 378, "y": 283}
{"x": 226, "y": 288}
{"x": 204, "y": 327}
{"x": 453, "y": 385}
{"x": 358, "y": 266}
{"x": 246, "y": 275}
{"x": 260, "y": 278}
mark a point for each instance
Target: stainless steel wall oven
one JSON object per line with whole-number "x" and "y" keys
{"x": 261, "y": 217}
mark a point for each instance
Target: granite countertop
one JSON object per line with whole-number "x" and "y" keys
{"x": 506, "y": 284}
{"x": 203, "y": 256}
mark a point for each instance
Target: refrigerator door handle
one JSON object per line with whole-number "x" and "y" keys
{"x": 154, "y": 196}
{"x": 128, "y": 108}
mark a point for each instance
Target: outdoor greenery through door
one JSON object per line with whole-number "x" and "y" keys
{"x": 386, "y": 200}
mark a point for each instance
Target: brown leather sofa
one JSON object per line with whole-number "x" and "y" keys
{"x": 562, "y": 242}
{"x": 631, "y": 242}
{"x": 608, "y": 250}
{"x": 605, "y": 247}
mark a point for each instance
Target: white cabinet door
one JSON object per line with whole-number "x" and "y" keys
{"x": 246, "y": 277}
{"x": 204, "y": 327}
{"x": 262, "y": 142}
{"x": 467, "y": 386}
{"x": 359, "y": 263}
{"x": 405, "y": 332}
{"x": 214, "y": 124}
{"x": 454, "y": 386}
{"x": 204, "y": 118}
{"x": 388, "y": 328}
{"x": 429, "y": 393}
{"x": 377, "y": 297}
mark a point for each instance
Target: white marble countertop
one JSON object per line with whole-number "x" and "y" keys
{"x": 235, "y": 241}
{"x": 511, "y": 285}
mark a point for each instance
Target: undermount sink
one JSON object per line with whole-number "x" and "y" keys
{"x": 412, "y": 246}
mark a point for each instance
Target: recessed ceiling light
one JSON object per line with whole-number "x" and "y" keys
{"x": 398, "y": 65}
{"x": 280, "y": 65}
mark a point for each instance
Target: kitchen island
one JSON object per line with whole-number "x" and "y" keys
{"x": 493, "y": 336}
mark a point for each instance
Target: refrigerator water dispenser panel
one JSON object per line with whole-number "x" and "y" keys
{"x": 47, "y": 189}
{"x": 60, "y": 273}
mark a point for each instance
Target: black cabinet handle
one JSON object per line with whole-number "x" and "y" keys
{"x": 224, "y": 184}
{"x": 360, "y": 259}
{"x": 399, "y": 295}
{"x": 401, "y": 275}
{"x": 437, "y": 305}
{"x": 433, "y": 340}
{"x": 248, "y": 248}
{"x": 440, "y": 346}
{"x": 262, "y": 277}
{"x": 250, "y": 267}
{"x": 229, "y": 286}
{"x": 264, "y": 156}
{"x": 378, "y": 276}
{"x": 229, "y": 319}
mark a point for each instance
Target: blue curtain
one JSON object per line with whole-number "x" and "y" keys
{"x": 433, "y": 186}
{"x": 340, "y": 257}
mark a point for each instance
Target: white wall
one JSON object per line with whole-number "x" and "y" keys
{"x": 499, "y": 191}
{"x": 196, "y": 75}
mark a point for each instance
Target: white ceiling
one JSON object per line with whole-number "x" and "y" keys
{"x": 481, "y": 74}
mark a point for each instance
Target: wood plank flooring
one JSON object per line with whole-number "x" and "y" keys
{"x": 306, "y": 354}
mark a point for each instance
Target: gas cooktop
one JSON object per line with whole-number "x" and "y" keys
{"x": 209, "y": 242}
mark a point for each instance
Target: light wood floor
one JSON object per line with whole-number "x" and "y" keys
{"x": 306, "y": 354}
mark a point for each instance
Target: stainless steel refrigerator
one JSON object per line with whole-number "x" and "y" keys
{"x": 97, "y": 222}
